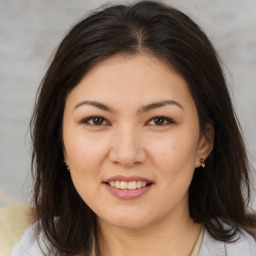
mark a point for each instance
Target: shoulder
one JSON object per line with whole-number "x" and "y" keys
{"x": 32, "y": 243}
{"x": 244, "y": 245}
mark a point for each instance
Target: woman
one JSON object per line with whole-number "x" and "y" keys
{"x": 137, "y": 150}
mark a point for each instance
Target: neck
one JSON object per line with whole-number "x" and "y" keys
{"x": 172, "y": 236}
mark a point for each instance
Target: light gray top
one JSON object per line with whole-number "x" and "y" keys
{"x": 245, "y": 245}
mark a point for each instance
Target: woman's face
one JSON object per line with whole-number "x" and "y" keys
{"x": 132, "y": 141}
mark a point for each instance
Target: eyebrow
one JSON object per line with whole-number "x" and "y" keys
{"x": 141, "y": 110}
{"x": 159, "y": 104}
{"x": 95, "y": 104}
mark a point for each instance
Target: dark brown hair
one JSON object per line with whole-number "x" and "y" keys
{"x": 218, "y": 193}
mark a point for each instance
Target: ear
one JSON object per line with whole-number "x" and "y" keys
{"x": 65, "y": 155}
{"x": 206, "y": 144}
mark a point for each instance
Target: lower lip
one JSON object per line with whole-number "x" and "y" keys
{"x": 128, "y": 193}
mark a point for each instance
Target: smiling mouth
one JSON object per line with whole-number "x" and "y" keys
{"x": 128, "y": 188}
{"x": 128, "y": 185}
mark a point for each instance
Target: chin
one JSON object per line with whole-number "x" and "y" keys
{"x": 129, "y": 224}
{"x": 127, "y": 221}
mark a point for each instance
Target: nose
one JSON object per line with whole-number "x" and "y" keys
{"x": 127, "y": 147}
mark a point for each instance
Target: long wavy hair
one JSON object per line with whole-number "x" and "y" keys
{"x": 218, "y": 194}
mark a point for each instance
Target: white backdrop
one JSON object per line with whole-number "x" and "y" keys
{"x": 31, "y": 29}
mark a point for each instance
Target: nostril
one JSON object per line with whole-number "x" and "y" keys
{"x": 127, "y": 155}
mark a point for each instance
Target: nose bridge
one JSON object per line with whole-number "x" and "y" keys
{"x": 128, "y": 148}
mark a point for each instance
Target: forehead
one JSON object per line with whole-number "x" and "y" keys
{"x": 132, "y": 66}
{"x": 130, "y": 79}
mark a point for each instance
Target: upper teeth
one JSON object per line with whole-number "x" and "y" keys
{"x": 127, "y": 185}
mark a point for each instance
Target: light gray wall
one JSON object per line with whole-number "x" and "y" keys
{"x": 31, "y": 30}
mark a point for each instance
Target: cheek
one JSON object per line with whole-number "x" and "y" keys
{"x": 84, "y": 151}
{"x": 175, "y": 149}
{"x": 85, "y": 156}
{"x": 174, "y": 159}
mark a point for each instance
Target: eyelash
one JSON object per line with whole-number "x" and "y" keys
{"x": 91, "y": 118}
{"x": 166, "y": 120}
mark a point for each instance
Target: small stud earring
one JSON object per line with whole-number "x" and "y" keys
{"x": 64, "y": 161}
{"x": 202, "y": 161}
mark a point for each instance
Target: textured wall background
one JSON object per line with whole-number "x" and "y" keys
{"x": 31, "y": 30}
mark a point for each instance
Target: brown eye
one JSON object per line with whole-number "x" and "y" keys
{"x": 95, "y": 120}
{"x": 160, "y": 120}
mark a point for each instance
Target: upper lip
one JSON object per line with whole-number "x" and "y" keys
{"x": 126, "y": 178}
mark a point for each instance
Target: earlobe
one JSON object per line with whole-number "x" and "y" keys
{"x": 67, "y": 165}
{"x": 205, "y": 146}
{"x": 202, "y": 161}
{"x": 65, "y": 158}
